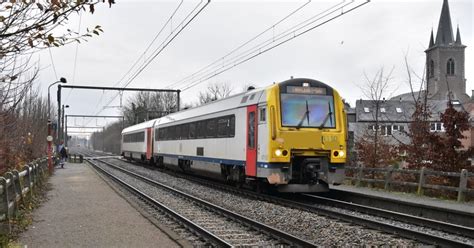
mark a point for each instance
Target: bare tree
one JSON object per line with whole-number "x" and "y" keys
{"x": 214, "y": 92}
{"x": 376, "y": 89}
{"x": 25, "y": 28}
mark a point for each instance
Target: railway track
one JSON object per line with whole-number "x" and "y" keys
{"x": 312, "y": 204}
{"x": 422, "y": 210}
{"x": 319, "y": 205}
{"x": 215, "y": 224}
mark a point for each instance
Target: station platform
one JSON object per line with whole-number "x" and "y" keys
{"x": 84, "y": 211}
{"x": 467, "y": 207}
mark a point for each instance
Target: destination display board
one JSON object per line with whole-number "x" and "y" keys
{"x": 306, "y": 90}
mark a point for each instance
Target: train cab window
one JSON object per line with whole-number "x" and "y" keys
{"x": 192, "y": 130}
{"x": 252, "y": 97}
{"x": 262, "y": 114}
{"x": 244, "y": 99}
{"x": 211, "y": 128}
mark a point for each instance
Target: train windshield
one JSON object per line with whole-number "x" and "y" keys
{"x": 305, "y": 110}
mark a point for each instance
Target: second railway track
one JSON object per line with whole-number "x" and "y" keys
{"x": 421, "y": 232}
{"x": 219, "y": 226}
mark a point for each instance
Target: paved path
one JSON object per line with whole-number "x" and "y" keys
{"x": 83, "y": 211}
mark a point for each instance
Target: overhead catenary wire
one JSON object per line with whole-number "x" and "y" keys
{"x": 289, "y": 34}
{"x": 242, "y": 45}
{"x": 142, "y": 54}
{"x": 75, "y": 58}
{"x": 151, "y": 43}
{"x": 165, "y": 43}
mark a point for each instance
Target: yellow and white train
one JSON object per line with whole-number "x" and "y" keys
{"x": 291, "y": 136}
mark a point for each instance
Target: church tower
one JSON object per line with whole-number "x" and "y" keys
{"x": 445, "y": 62}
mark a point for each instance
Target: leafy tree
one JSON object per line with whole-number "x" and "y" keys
{"x": 450, "y": 155}
{"x": 366, "y": 151}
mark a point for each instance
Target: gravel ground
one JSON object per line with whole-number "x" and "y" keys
{"x": 233, "y": 232}
{"x": 406, "y": 225}
{"x": 312, "y": 227}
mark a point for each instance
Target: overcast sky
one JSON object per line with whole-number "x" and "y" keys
{"x": 374, "y": 36}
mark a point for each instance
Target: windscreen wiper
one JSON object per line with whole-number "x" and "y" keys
{"x": 329, "y": 114}
{"x": 306, "y": 114}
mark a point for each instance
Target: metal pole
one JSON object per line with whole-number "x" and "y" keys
{"x": 62, "y": 123}
{"x": 178, "y": 91}
{"x": 50, "y": 159}
{"x": 59, "y": 114}
{"x": 65, "y": 132}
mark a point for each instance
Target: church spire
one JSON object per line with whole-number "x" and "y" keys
{"x": 458, "y": 37}
{"x": 431, "y": 40}
{"x": 444, "y": 36}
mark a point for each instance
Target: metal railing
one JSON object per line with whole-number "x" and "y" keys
{"x": 16, "y": 188}
{"x": 385, "y": 176}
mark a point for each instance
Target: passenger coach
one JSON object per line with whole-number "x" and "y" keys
{"x": 290, "y": 135}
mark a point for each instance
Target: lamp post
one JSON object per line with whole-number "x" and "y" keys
{"x": 50, "y": 138}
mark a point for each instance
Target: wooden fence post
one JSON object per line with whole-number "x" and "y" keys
{"x": 18, "y": 186}
{"x": 5, "y": 225}
{"x": 462, "y": 186}
{"x": 388, "y": 178}
{"x": 28, "y": 181}
{"x": 421, "y": 182}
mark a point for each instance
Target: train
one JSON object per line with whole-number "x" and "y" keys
{"x": 289, "y": 136}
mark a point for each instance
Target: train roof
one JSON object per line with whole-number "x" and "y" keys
{"x": 234, "y": 101}
{"x": 139, "y": 126}
{"x": 231, "y": 102}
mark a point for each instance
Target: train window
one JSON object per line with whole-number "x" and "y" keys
{"x": 211, "y": 128}
{"x": 177, "y": 132}
{"x": 262, "y": 114}
{"x": 251, "y": 130}
{"x": 171, "y": 133}
{"x": 252, "y": 97}
{"x": 223, "y": 126}
{"x": 184, "y": 131}
{"x": 232, "y": 126}
{"x": 201, "y": 129}
{"x": 192, "y": 130}
{"x": 244, "y": 99}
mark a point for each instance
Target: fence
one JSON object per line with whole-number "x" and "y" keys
{"x": 386, "y": 178}
{"x": 16, "y": 188}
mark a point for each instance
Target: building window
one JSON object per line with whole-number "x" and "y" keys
{"x": 436, "y": 127}
{"x": 450, "y": 67}
{"x": 366, "y": 110}
{"x": 431, "y": 69}
{"x": 382, "y": 110}
{"x": 399, "y": 110}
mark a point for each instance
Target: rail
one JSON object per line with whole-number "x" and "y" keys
{"x": 16, "y": 188}
{"x": 385, "y": 176}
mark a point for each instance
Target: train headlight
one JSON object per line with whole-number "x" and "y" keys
{"x": 338, "y": 154}
{"x": 278, "y": 152}
{"x": 281, "y": 153}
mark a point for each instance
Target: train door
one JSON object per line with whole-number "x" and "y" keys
{"x": 251, "y": 153}
{"x": 149, "y": 143}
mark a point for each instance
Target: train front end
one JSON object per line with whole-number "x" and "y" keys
{"x": 307, "y": 136}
